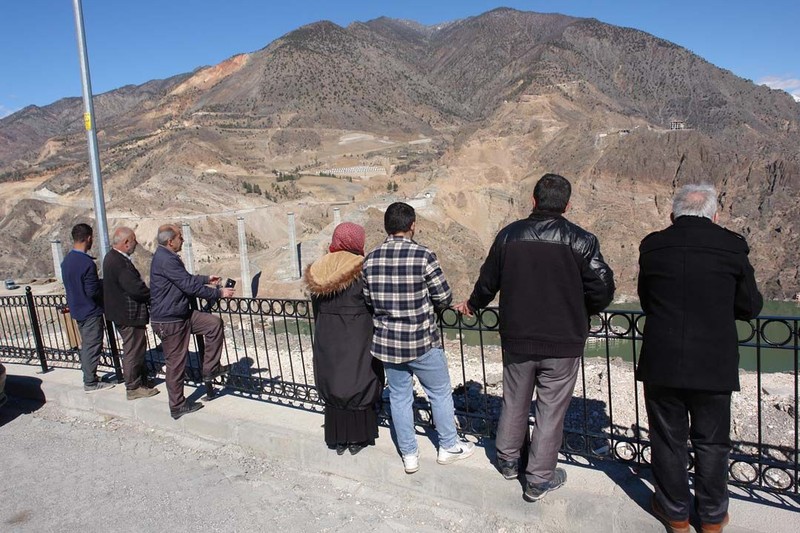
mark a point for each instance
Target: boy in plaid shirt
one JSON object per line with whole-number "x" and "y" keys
{"x": 404, "y": 285}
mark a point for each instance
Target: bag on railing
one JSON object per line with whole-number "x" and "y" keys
{"x": 71, "y": 327}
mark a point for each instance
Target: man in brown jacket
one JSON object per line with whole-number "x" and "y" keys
{"x": 126, "y": 297}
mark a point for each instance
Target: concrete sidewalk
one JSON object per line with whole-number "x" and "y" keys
{"x": 604, "y": 496}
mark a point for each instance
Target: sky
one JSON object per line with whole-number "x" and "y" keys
{"x": 134, "y": 41}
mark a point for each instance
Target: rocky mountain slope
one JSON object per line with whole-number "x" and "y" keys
{"x": 463, "y": 116}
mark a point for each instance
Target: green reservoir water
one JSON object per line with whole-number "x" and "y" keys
{"x": 773, "y": 359}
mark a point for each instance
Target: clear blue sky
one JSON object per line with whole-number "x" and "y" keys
{"x": 133, "y": 41}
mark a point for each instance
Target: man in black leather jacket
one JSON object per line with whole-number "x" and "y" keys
{"x": 551, "y": 278}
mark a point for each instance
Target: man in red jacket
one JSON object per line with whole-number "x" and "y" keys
{"x": 551, "y": 276}
{"x": 694, "y": 281}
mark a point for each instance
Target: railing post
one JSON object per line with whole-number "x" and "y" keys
{"x": 112, "y": 345}
{"x": 37, "y": 332}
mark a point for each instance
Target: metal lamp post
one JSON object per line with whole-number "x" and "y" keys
{"x": 91, "y": 134}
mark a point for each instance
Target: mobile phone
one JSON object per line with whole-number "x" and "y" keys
{"x": 230, "y": 283}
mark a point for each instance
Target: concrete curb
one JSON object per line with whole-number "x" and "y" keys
{"x": 604, "y": 497}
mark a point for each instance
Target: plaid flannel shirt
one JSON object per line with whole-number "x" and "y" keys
{"x": 403, "y": 282}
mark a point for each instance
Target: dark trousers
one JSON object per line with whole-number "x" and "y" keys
{"x": 92, "y": 330}
{"x": 175, "y": 343}
{"x": 704, "y": 417}
{"x": 134, "y": 346}
{"x": 553, "y": 378}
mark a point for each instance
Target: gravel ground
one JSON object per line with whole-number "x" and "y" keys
{"x": 63, "y": 471}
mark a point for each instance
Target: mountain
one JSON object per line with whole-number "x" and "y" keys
{"x": 462, "y": 117}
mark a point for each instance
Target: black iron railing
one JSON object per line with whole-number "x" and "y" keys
{"x": 269, "y": 347}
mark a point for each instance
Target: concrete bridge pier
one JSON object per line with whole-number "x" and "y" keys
{"x": 246, "y": 289}
{"x": 188, "y": 250}
{"x": 295, "y": 274}
{"x": 58, "y": 258}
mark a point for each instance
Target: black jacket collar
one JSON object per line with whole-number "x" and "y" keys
{"x": 691, "y": 220}
{"x": 544, "y": 213}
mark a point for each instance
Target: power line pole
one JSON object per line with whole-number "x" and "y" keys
{"x": 91, "y": 134}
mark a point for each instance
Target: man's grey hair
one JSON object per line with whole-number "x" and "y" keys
{"x": 699, "y": 200}
{"x": 165, "y": 234}
{"x": 120, "y": 235}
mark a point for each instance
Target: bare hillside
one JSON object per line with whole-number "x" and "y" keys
{"x": 459, "y": 118}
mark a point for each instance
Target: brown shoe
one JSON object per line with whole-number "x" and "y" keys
{"x": 716, "y": 528}
{"x": 141, "y": 392}
{"x": 674, "y": 526}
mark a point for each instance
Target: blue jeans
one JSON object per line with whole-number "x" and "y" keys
{"x": 431, "y": 370}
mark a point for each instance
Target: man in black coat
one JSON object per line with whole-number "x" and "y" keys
{"x": 551, "y": 276}
{"x": 126, "y": 297}
{"x": 695, "y": 281}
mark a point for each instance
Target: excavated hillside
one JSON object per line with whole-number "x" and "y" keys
{"x": 460, "y": 119}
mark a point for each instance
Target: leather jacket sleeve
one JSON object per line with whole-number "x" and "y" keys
{"x": 489, "y": 279}
{"x": 597, "y": 276}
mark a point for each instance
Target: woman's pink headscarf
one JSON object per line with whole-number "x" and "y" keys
{"x": 348, "y": 237}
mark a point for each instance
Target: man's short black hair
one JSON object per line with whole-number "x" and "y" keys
{"x": 398, "y": 218}
{"x": 552, "y": 193}
{"x": 81, "y": 232}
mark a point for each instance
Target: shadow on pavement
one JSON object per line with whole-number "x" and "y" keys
{"x": 25, "y": 395}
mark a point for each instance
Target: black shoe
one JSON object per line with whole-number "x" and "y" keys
{"x": 211, "y": 392}
{"x": 220, "y": 371}
{"x": 509, "y": 469}
{"x": 536, "y": 491}
{"x": 187, "y": 407}
{"x": 340, "y": 448}
{"x": 99, "y": 385}
{"x": 357, "y": 447}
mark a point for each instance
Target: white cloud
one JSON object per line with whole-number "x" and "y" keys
{"x": 790, "y": 85}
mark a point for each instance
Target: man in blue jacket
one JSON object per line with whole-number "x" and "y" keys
{"x": 84, "y": 298}
{"x": 171, "y": 287}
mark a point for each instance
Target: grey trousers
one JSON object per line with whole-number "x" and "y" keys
{"x": 554, "y": 380}
{"x": 92, "y": 330}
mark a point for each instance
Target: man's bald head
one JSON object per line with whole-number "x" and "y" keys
{"x": 170, "y": 235}
{"x": 124, "y": 240}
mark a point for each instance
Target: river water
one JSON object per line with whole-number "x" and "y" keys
{"x": 778, "y": 352}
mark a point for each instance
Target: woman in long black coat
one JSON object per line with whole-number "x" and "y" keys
{"x": 349, "y": 380}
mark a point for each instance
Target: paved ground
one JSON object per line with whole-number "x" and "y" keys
{"x": 95, "y": 462}
{"x": 65, "y": 473}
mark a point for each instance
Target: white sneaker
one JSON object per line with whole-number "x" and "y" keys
{"x": 461, "y": 450}
{"x": 411, "y": 462}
